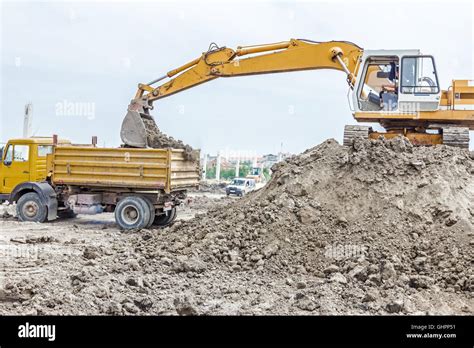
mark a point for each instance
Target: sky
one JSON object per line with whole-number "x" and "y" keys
{"x": 79, "y": 62}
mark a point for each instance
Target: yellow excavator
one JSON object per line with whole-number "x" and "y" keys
{"x": 399, "y": 89}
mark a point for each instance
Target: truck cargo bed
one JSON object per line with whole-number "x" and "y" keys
{"x": 128, "y": 168}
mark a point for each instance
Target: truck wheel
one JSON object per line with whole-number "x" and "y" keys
{"x": 151, "y": 207}
{"x": 132, "y": 212}
{"x": 164, "y": 220}
{"x": 30, "y": 208}
{"x": 173, "y": 215}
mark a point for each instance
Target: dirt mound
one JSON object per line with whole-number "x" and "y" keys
{"x": 382, "y": 220}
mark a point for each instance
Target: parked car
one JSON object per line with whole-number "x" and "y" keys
{"x": 240, "y": 186}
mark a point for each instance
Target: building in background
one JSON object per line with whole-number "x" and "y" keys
{"x": 232, "y": 164}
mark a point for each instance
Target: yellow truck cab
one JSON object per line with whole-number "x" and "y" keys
{"x": 23, "y": 170}
{"x": 24, "y": 160}
{"x": 50, "y": 178}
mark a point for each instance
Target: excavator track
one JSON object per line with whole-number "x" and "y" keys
{"x": 456, "y": 136}
{"x": 353, "y": 132}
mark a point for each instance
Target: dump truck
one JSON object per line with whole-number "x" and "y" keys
{"x": 50, "y": 178}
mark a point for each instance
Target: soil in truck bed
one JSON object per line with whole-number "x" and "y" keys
{"x": 160, "y": 140}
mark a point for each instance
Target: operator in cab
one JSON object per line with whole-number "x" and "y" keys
{"x": 389, "y": 93}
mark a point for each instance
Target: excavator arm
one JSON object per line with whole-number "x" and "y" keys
{"x": 293, "y": 55}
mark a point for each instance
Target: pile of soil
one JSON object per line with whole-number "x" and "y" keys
{"x": 381, "y": 227}
{"x": 159, "y": 140}
{"x": 382, "y": 219}
{"x": 198, "y": 202}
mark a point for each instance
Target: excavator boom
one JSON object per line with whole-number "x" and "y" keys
{"x": 399, "y": 89}
{"x": 293, "y": 55}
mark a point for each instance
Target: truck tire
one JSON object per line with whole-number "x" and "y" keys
{"x": 151, "y": 207}
{"x": 132, "y": 212}
{"x": 30, "y": 208}
{"x": 164, "y": 220}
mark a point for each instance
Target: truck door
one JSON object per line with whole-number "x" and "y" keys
{"x": 16, "y": 166}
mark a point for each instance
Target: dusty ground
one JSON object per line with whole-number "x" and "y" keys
{"x": 380, "y": 228}
{"x": 38, "y": 260}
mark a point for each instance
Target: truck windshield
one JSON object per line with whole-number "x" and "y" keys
{"x": 238, "y": 182}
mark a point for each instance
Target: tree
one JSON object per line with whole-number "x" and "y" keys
{"x": 266, "y": 173}
{"x": 227, "y": 174}
{"x": 244, "y": 169}
{"x": 211, "y": 173}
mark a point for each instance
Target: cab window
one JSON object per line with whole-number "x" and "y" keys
{"x": 44, "y": 150}
{"x": 9, "y": 154}
{"x": 419, "y": 75}
{"x": 381, "y": 73}
{"x": 20, "y": 153}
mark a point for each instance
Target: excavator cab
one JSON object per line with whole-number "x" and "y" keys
{"x": 397, "y": 82}
{"x": 412, "y": 105}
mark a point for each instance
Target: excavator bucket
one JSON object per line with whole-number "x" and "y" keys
{"x": 138, "y": 127}
{"x": 133, "y": 132}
